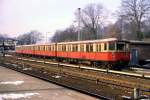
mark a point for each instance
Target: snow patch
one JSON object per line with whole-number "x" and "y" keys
{"x": 57, "y": 76}
{"x": 16, "y": 96}
{"x": 13, "y": 82}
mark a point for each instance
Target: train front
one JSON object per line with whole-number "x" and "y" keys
{"x": 122, "y": 53}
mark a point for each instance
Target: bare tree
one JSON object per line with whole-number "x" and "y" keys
{"x": 69, "y": 34}
{"x": 29, "y": 38}
{"x": 91, "y": 18}
{"x": 112, "y": 30}
{"x": 3, "y": 36}
{"x": 135, "y": 11}
{"x": 146, "y": 27}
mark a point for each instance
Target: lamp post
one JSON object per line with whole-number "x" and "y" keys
{"x": 79, "y": 18}
{"x": 122, "y": 27}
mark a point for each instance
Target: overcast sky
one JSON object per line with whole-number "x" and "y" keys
{"x": 21, "y": 16}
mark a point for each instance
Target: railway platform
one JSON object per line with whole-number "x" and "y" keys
{"x": 18, "y": 86}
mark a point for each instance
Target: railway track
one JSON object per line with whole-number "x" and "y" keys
{"x": 107, "y": 79}
{"x": 132, "y": 74}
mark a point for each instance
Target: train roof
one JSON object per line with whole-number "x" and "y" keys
{"x": 93, "y": 41}
{"x": 37, "y": 44}
{"x": 76, "y": 42}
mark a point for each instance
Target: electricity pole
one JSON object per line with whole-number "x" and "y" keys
{"x": 79, "y": 19}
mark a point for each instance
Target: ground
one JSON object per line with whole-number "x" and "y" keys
{"x": 18, "y": 86}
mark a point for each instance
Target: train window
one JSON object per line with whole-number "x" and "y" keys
{"x": 120, "y": 46}
{"x": 31, "y": 47}
{"x": 98, "y": 47}
{"x": 82, "y": 47}
{"x": 87, "y": 47}
{"x": 45, "y": 47}
{"x": 49, "y": 48}
{"x": 127, "y": 47}
{"x": 91, "y": 48}
{"x": 34, "y": 47}
{"x": 59, "y": 47}
{"x": 74, "y": 47}
{"x": 64, "y": 48}
{"x": 40, "y": 47}
{"x": 69, "y": 48}
{"x": 111, "y": 45}
{"x": 52, "y": 48}
{"x": 105, "y": 46}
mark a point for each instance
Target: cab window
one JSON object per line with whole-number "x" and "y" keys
{"x": 120, "y": 46}
{"x": 111, "y": 45}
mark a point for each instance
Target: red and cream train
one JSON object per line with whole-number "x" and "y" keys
{"x": 104, "y": 51}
